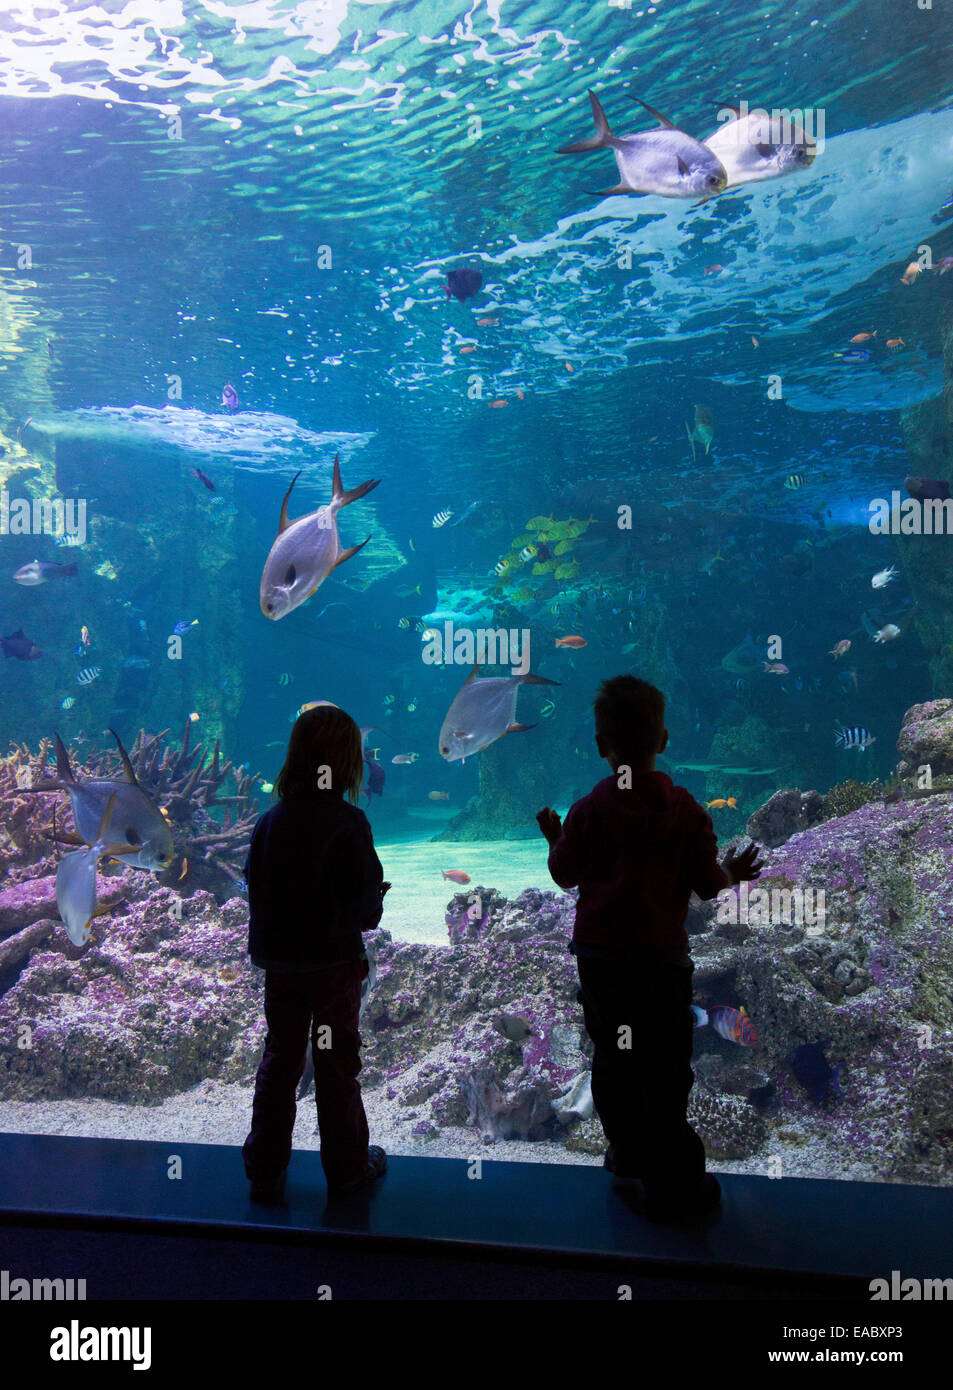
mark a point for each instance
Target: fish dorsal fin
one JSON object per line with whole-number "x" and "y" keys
{"x": 337, "y": 487}
{"x": 662, "y": 120}
{"x": 127, "y": 765}
{"x": 729, "y": 106}
{"x": 472, "y": 675}
{"x": 64, "y": 772}
{"x": 105, "y": 820}
{"x": 283, "y": 522}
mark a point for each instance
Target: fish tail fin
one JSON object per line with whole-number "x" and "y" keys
{"x": 341, "y": 497}
{"x": 699, "y": 1015}
{"x": 603, "y": 136}
{"x": 519, "y": 728}
{"x": 70, "y": 571}
{"x": 64, "y": 773}
{"x": 531, "y": 679}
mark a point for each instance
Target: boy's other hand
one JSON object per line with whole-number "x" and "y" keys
{"x": 384, "y": 888}
{"x": 549, "y": 823}
{"x": 741, "y": 865}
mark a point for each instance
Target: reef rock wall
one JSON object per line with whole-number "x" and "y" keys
{"x": 486, "y": 1033}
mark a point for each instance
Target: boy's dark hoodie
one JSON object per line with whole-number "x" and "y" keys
{"x": 636, "y": 855}
{"x": 314, "y": 883}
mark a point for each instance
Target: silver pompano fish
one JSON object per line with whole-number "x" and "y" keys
{"x": 666, "y": 162}
{"x": 307, "y": 550}
{"x": 76, "y": 879}
{"x": 146, "y": 837}
{"x": 757, "y": 145}
{"x": 482, "y": 712}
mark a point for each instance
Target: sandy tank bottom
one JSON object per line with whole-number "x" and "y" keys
{"x": 216, "y": 1112}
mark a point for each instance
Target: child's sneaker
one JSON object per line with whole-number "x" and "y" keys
{"x": 376, "y": 1168}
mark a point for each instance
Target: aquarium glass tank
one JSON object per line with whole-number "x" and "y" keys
{"x": 657, "y": 387}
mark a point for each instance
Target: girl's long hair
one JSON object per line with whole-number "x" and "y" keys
{"x": 323, "y": 737}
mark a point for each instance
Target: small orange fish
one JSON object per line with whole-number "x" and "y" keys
{"x": 721, "y": 801}
{"x": 574, "y": 642}
{"x": 519, "y": 393}
{"x": 438, "y": 796}
{"x": 654, "y": 439}
{"x": 713, "y": 269}
{"x": 754, "y": 341}
{"x": 487, "y": 323}
{"x": 455, "y": 875}
{"x": 471, "y": 347}
{"x": 911, "y": 273}
{"x": 497, "y": 405}
{"x": 864, "y": 337}
{"x": 840, "y": 648}
{"x": 895, "y": 343}
{"x": 185, "y": 869}
{"x": 569, "y": 367}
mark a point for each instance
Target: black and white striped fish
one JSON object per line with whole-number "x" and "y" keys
{"x": 441, "y": 519}
{"x": 69, "y": 538}
{"x": 89, "y": 674}
{"x": 861, "y": 739}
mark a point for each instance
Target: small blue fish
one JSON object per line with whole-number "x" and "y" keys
{"x": 136, "y": 663}
{"x": 181, "y": 628}
{"x": 89, "y": 674}
{"x": 855, "y": 355}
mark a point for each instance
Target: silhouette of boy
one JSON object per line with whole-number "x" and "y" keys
{"x": 637, "y": 847}
{"x": 314, "y": 885}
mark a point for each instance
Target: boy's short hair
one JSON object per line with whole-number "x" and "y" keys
{"x": 630, "y": 717}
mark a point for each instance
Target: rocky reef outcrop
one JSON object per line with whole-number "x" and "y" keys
{"x": 846, "y": 942}
{"x": 784, "y": 814}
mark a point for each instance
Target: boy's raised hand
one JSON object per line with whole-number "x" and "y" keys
{"x": 549, "y": 823}
{"x": 741, "y": 865}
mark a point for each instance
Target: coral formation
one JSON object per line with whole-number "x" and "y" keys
{"x": 486, "y": 1032}
{"x": 783, "y": 814}
{"x": 210, "y": 829}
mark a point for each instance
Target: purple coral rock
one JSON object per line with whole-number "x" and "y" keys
{"x": 926, "y": 737}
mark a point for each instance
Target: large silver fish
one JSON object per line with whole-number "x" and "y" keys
{"x": 758, "y": 145}
{"x": 146, "y": 837}
{"x": 76, "y": 879}
{"x": 482, "y": 712}
{"x": 307, "y": 550}
{"x": 666, "y": 162}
